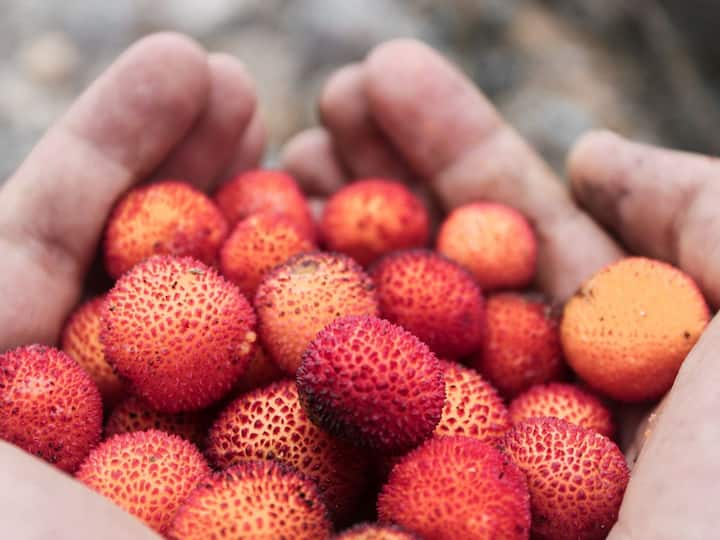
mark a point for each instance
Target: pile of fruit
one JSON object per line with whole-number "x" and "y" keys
{"x": 239, "y": 382}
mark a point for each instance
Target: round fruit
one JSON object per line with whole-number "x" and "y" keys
{"x": 374, "y": 531}
{"x": 628, "y": 329}
{"x": 148, "y": 473}
{"x": 493, "y": 241}
{"x": 568, "y": 402}
{"x": 522, "y": 344}
{"x": 433, "y": 298}
{"x": 258, "y": 191}
{"x": 576, "y": 477}
{"x": 49, "y": 406}
{"x": 298, "y": 299}
{"x": 81, "y": 340}
{"x": 372, "y": 383}
{"x": 269, "y": 423}
{"x": 167, "y": 218}
{"x": 258, "y": 499}
{"x": 457, "y": 487}
{"x": 372, "y": 217}
{"x": 178, "y": 333}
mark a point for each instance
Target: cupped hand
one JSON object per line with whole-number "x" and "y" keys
{"x": 405, "y": 112}
{"x": 165, "y": 108}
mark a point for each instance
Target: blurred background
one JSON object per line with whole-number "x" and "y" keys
{"x": 555, "y": 68}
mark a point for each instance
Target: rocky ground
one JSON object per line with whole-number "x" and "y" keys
{"x": 554, "y": 67}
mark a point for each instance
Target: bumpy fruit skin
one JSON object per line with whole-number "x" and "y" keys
{"x": 576, "y": 478}
{"x": 256, "y": 245}
{"x": 178, "y": 333}
{"x": 473, "y": 407}
{"x": 299, "y": 298}
{"x": 132, "y": 414}
{"x": 433, "y": 298}
{"x": 49, "y": 406}
{"x": 493, "y": 241}
{"x": 269, "y": 423}
{"x": 147, "y": 473}
{"x": 628, "y": 329}
{"x": 568, "y": 402}
{"x": 375, "y": 531}
{"x": 81, "y": 341}
{"x": 265, "y": 191}
{"x": 522, "y": 344}
{"x": 167, "y": 218}
{"x": 457, "y": 487}
{"x": 372, "y": 383}
{"x": 258, "y": 499}
{"x": 372, "y": 217}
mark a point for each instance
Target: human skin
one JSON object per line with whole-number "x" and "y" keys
{"x": 402, "y": 112}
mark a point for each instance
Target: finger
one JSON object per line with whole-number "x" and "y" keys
{"x": 453, "y": 137}
{"x": 360, "y": 144}
{"x": 249, "y": 151}
{"x": 662, "y": 203}
{"x": 310, "y": 158}
{"x": 210, "y": 145}
{"x": 38, "y": 501}
{"x": 673, "y": 489}
{"x": 53, "y": 209}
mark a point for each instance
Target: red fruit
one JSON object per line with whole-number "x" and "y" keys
{"x": 472, "y": 407}
{"x": 258, "y": 244}
{"x": 433, "y": 298}
{"x": 457, "y": 487}
{"x": 167, "y": 218}
{"x": 565, "y": 401}
{"x": 260, "y": 190}
{"x": 576, "y": 477}
{"x": 493, "y": 241}
{"x": 81, "y": 341}
{"x": 629, "y": 328}
{"x": 372, "y": 383}
{"x": 375, "y": 531}
{"x": 259, "y": 500}
{"x": 134, "y": 415}
{"x": 372, "y": 217}
{"x": 178, "y": 333}
{"x": 522, "y": 344}
{"x": 147, "y": 473}
{"x": 49, "y": 406}
{"x": 269, "y": 423}
{"x": 261, "y": 372}
{"x": 298, "y": 299}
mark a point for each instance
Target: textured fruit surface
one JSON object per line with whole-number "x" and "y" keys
{"x": 576, "y": 478}
{"x": 522, "y": 344}
{"x": 375, "y": 531}
{"x": 148, "y": 473}
{"x": 568, "y": 402}
{"x": 628, "y": 329}
{"x": 49, "y": 406}
{"x": 298, "y": 299}
{"x": 457, "y": 487}
{"x": 261, "y": 372}
{"x": 177, "y": 332}
{"x": 167, "y": 218}
{"x": 372, "y": 217}
{"x": 372, "y": 383}
{"x": 132, "y": 414}
{"x": 433, "y": 298}
{"x": 256, "y": 245}
{"x": 81, "y": 340}
{"x": 259, "y": 499}
{"x": 493, "y": 241}
{"x": 269, "y": 423}
{"x": 472, "y": 407}
{"x": 265, "y": 191}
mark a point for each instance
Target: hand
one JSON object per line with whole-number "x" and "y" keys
{"x": 165, "y": 108}
{"x": 405, "y": 112}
